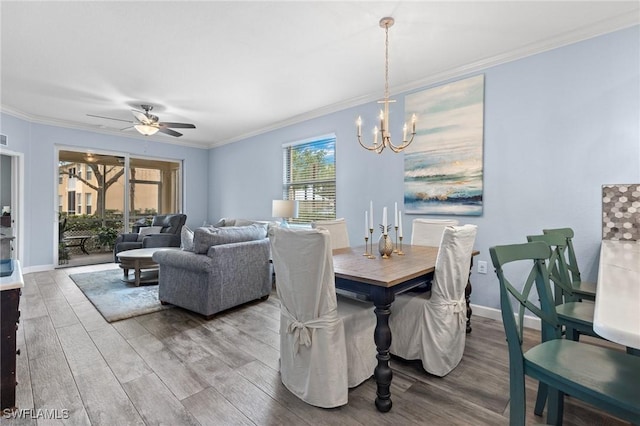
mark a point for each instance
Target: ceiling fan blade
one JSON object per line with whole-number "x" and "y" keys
{"x": 126, "y": 128}
{"x": 170, "y": 132}
{"x": 108, "y": 118}
{"x": 177, "y": 125}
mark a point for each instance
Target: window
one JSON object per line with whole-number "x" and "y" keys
{"x": 79, "y": 198}
{"x": 87, "y": 204}
{"x": 89, "y": 174}
{"x": 60, "y": 207}
{"x": 71, "y": 202}
{"x": 309, "y": 176}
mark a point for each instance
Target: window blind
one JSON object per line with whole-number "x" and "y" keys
{"x": 309, "y": 176}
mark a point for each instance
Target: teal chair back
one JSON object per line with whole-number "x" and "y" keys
{"x": 557, "y": 267}
{"x": 568, "y": 252}
{"x": 535, "y": 255}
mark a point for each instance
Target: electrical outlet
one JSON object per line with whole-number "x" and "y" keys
{"x": 482, "y": 267}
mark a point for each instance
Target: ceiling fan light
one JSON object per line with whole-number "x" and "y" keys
{"x": 146, "y": 130}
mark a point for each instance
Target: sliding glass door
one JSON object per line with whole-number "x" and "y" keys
{"x": 103, "y": 195}
{"x": 154, "y": 188}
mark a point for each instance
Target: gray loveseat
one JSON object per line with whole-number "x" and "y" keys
{"x": 228, "y": 266}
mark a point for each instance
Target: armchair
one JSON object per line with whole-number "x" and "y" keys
{"x": 167, "y": 234}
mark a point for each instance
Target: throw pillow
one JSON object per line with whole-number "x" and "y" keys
{"x": 222, "y": 222}
{"x": 186, "y": 239}
{"x": 146, "y": 230}
{"x": 203, "y": 238}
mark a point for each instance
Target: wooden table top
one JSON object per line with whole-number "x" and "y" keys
{"x": 349, "y": 263}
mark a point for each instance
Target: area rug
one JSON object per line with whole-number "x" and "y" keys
{"x": 115, "y": 299}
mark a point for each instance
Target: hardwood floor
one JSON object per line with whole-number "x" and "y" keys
{"x": 173, "y": 367}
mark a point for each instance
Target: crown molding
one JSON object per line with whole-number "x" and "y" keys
{"x": 95, "y": 129}
{"x": 603, "y": 27}
{"x": 600, "y": 28}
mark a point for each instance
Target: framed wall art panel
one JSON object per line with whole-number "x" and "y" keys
{"x": 443, "y": 167}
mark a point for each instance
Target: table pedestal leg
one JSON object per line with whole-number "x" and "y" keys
{"x": 467, "y": 297}
{"x": 382, "y": 299}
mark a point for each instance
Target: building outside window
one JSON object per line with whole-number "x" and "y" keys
{"x": 309, "y": 176}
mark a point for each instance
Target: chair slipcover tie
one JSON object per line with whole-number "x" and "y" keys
{"x": 300, "y": 329}
{"x": 459, "y": 307}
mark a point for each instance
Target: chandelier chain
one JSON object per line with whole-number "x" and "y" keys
{"x": 386, "y": 62}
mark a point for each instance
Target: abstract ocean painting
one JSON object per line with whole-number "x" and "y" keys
{"x": 443, "y": 166}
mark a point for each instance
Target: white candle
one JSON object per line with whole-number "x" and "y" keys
{"x": 400, "y": 224}
{"x": 384, "y": 221}
{"x": 395, "y": 216}
{"x": 359, "y": 124}
{"x": 370, "y": 214}
{"x": 366, "y": 224}
{"x": 404, "y": 133}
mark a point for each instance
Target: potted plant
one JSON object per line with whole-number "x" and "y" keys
{"x": 107, "y": 236}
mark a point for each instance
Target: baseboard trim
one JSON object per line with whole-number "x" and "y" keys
{"x": 37, "y": 268}
{"x": 495, "y": 314}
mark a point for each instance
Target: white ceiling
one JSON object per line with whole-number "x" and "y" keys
{"x": 237, "y": 68}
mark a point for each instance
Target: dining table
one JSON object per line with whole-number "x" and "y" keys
{"x": 617, "y": 310}
{"x": 380, "y": 280}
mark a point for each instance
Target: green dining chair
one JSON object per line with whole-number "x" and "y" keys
{"x": 574, "y": 316}
{"x": 585, "y": 290}
{"x": 603, "y": 377}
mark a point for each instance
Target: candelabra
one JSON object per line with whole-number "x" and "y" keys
{"x": 400, "y": 252}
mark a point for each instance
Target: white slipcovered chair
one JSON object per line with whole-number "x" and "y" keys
{"x": 432, "y": 326}
{"x": 317, "y": 362}
{"x": 337, "y": 229}
{"x": 428, "y": 232}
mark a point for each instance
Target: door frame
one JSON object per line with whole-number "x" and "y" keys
{"x": 17, "y": 199}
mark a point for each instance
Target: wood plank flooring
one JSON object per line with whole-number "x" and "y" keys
{"x": 176, "y": 368}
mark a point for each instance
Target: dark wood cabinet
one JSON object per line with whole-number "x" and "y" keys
{"x": 9, "y": 319}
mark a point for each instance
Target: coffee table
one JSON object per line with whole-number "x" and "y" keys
{"x": 138, "y": 260}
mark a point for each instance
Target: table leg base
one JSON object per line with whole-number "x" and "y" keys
{"x": 382, "y": 335}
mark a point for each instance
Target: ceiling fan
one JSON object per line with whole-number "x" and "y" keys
{"x": 149, "y": 124}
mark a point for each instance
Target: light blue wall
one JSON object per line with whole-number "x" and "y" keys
{"x": 38, "y": 144}
{"x": 558, "y": 125}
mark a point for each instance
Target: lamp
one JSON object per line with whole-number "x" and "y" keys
{"x": 384, "y": 114}
{"x": 146, "y": 129}
{"x": 284, "y": 209}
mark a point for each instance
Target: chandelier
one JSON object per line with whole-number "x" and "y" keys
{"x": 385, "y": 134}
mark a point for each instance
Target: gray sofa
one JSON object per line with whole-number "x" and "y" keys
{"x": 227, "y": 267}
